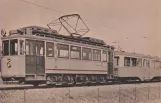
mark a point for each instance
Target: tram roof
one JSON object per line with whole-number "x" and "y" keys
{"x": 46, "y": 32}
{"x": 131, "y": 54}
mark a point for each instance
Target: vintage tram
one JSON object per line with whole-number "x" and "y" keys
{"x": 37, "y": 55}
{"x": 136, "y": 67}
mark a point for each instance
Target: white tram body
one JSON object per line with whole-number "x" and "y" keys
{"x": 133, "y": 66}
{"x": 35, "y": 53}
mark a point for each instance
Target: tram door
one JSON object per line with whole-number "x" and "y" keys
{"x": 35, "y": 60}
{"x": 110, "y": 63}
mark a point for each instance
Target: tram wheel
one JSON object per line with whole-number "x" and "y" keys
{"x": 36, "y": 84}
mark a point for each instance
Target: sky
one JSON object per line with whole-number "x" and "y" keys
{"x": 135, "y": 24}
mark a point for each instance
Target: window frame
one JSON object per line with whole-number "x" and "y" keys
{"x": 80, "y": 52}
{"x": 156, "y": 64}
{"x": 93, "y": 54}
{"x": 117, "y": 60}
{"x": 129, "y": 63}
{"x": 131, "y": 59}
{"x": 153, "y": 63}
{"x": 89, "y": 59}
{"x": 58, "y": 50}
{"x": 28, "y": 43}
{"x": 34, "y": 47}
{"x": 144, "y": 63}
{"x": 39, "y": 44}
{"x": 53, "y": 49}
{"x": 11, "y": 52}
{"x": 21, "y": 49}
{"x": 8, "y": 48}
{"x": 106, "y": 55}
{"x": 137, "y": 62}
{"x": 147, "y": 63}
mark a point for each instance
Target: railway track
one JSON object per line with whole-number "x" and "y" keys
{"x": 23, "y": 87}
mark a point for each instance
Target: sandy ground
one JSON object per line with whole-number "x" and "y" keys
{"x": 140, "y": 93}
{"x": 152, "y": 101}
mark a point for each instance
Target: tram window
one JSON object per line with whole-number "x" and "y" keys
{"x": 14, "y": 47}
{"x": 39, "y": 48}
{"x": 157, "y": 64}
{"x": 152, "y": 64}
{"x": 116, "y": 60}
{"x": 6, "y": 47}
{"x": 133, "y": 61}
{"x": 86, "y": 54}
{"x": 126, "y": 61}
{"x": 63, "y": 50}
{"x": 27, "y": 48}
{"x": 96, "y": 55}
{"x": 147, "y": 64}
{"x": 144, "y": 63}
{"x": 30, "y": 47}
{"x": 49, "y": 49}
{"x": 21, "y": 47}
{"x": 104, "y": 56}
{"x": 75, "y": 52}
{"x": 139, "y": 62}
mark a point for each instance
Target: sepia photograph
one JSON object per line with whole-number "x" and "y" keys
{"x": 80, "y": 51}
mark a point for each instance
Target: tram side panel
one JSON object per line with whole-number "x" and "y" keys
{"x": 82, "y": 66}
{"x": 145, "y": 67}
{"x": 73, "y": 66}
{"x": 57, "y": 67}
{"x": 63, "y": 63}
{"x": 125, "y": 72}
{"x": 13, "y": 67}
{"x": 154, "y": 73}
{"x": 0, "y": 65}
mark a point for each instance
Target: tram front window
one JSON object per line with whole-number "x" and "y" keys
{"x": 5, "y": 49}
{"x": 14, "y": 47}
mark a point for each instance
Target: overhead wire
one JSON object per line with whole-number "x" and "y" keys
{"x": 54, "y": 10}
{"x": 41, "y": 6}
{"x": 94, "y": 22}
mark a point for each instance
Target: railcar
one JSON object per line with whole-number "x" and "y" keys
{"x": 136, "y": 67}
{"x": 37, "y": 55}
